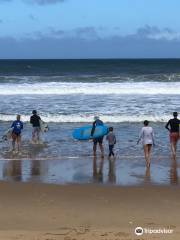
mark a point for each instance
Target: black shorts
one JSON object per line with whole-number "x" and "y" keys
{"x": 98, "y": 140}
{"x": 15, "y": 135}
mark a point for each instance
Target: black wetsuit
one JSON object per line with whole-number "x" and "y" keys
{"x": 98, "y": 122}
{"x": 34, "y": 120}
{"x": 174, "y": 125}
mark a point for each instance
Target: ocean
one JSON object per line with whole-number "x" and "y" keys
{"x": 69, "y": 93}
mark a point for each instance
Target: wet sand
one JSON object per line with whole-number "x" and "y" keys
{"x": 123, "y": 171}
{"x": 79, "y": 212}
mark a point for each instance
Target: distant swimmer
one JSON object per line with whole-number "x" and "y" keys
{"x": 35, "y": 121}
{"x": 111, "y": 138}
{"x": 99, "y": 140}
{"x": 173, "y": 132}
{"x": 17, "y": 127}
{"x": 147, "y": 138}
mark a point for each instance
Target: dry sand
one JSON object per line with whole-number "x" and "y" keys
{"x": 80, "y": 212}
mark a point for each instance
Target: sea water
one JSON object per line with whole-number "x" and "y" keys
{"x": 68, "y": 94}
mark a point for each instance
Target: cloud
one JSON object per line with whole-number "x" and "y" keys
{"x": 56, "y": 33}
{"x": 79, "y": 43}
{"x": 153, "y": 32}
{"x": 86, "y": 32}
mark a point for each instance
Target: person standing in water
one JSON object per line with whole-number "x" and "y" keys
{"x": 147, "y": 138}
{"x": 17, "y": 127}
{"x": 173, "y": 132}
{"x": 35, "y": 121}
{"x": 99, "y": 140}
{"x": 111, "y": 138}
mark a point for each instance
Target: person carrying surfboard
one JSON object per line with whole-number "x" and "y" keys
{"x": 35, "y": 121}
{"x": 99, "y": 140}
{"x": 17, "y": 127}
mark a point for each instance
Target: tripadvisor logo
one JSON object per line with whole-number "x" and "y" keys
{"x": 139, "y": 231}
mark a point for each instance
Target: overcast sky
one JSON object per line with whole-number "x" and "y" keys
{"x": 89, "y": 28}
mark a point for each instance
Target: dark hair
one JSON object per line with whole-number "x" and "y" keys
{"x": 175, "y": 114}
{"x": 110, "y": 129}
{"x": 34, "y": 112}
{"x": 146, "y": 122}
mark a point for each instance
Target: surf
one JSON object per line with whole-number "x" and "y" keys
{"x": 78, "y": 88}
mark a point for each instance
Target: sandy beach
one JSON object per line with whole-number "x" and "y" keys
{"x": 79, "y": 212}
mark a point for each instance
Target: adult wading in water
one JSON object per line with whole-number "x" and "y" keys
{"x": 173, "y": 132}
{"x": 147, "y": 137}
{"x": 99, "y": 140}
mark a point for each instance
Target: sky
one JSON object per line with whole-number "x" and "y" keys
{"x": 89, "y": 29}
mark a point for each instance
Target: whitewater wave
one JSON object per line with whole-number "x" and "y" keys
{"x": 106, "y": 88}
{"x": 87, "y": 119}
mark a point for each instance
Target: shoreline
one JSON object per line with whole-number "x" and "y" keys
{"x": 46, "y": 211}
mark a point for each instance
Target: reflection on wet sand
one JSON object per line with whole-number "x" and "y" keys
{"x": 98, "y": 170}
{"x": 13, "y": 169}
{"x": 35, "y": 168}
{"x": 173, "y": 172}
{"x": 112, "y": 174}
{"x": 38, "y": 169}
{"x": 98, "y": 165}
{"x": 88, "y": 170}
{"x": 19, "y": 170}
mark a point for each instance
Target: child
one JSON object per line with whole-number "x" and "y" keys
{"x": 111, "y": 138}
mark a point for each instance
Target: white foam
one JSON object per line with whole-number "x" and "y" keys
{"x": 69, "y": 88}
{"x": 84, "y": 118}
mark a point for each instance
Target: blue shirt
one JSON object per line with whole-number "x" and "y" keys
{"x": 17, "y": 126}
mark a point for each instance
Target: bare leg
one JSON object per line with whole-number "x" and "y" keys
{"x": 33, "y": 135}
{"x": 146, "y": 154}
{"x": 173, "y": 149}
{"x": 13, "y": 141}
{"x": 94, "y": 167}
{"x": 13, "y": 144}
{"x": 94, "y": 149}
{"x": 18, "y": 143}
{"x": 102, "y": 149}
{"x": 38, "y": 135}
{"x": 149, "y": 155}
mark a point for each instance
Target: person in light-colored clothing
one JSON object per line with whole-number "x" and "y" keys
{"x": 147, "y": 137}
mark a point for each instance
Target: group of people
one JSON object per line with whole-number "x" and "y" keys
{"x": 17, "y": 127}
{"x": 146, "y": 136}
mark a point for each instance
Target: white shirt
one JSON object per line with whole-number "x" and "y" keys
{"x": 147, "y": 135}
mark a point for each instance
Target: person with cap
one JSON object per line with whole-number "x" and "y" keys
{"x": 99, "y": 140}
{"x": 173, "y": 127}
{"x": 35, "y": 121}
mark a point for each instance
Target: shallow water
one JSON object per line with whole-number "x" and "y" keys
{"x": 67, "y": 94}
{"x": 62, "y": 160}
{"x": 123, "y": 171}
